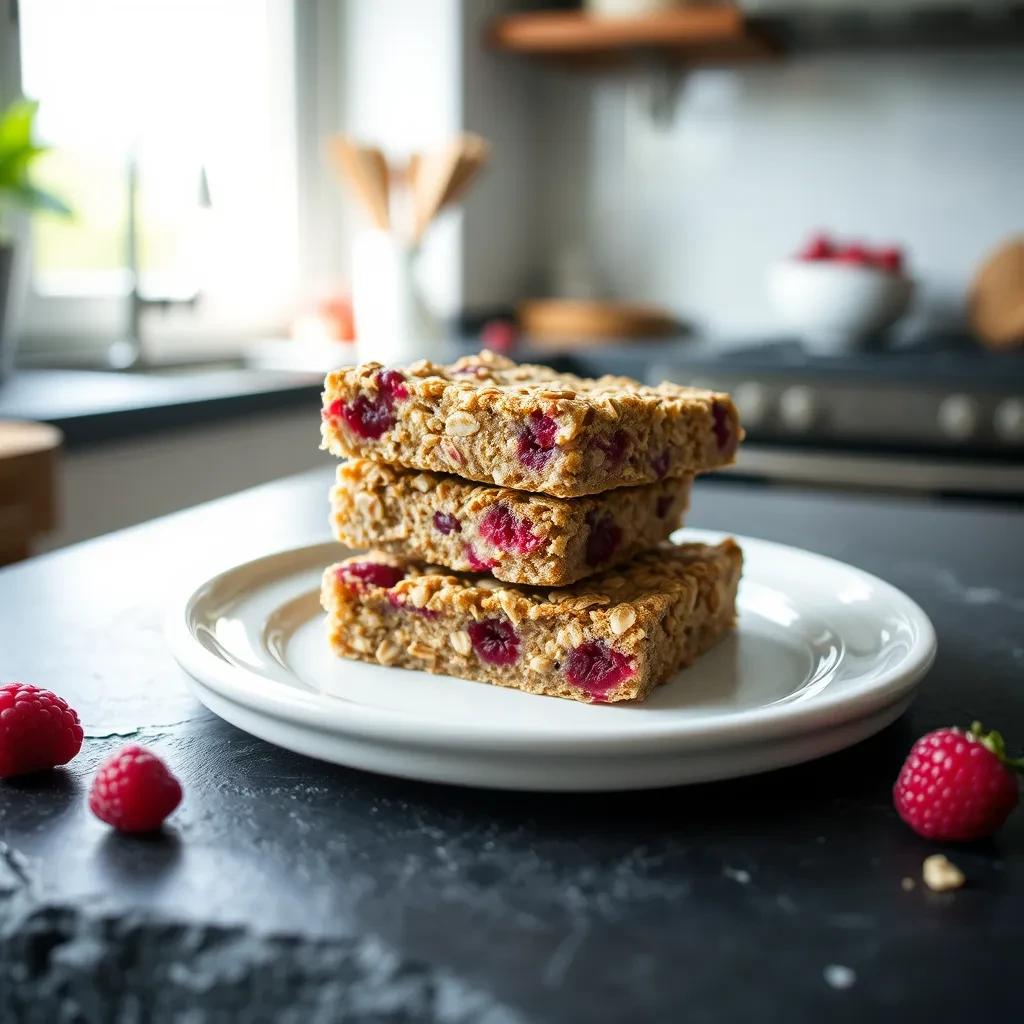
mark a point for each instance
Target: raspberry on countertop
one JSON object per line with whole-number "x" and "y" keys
{"x": 134, "y": 791}
{"x": 37, "y": 730}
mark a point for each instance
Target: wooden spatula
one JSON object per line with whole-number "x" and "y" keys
{"x": 366, "y": 172}
{"x": 433, "y": 178}
{"x": 443, "y": 177}
{"x": 475, "y": 152}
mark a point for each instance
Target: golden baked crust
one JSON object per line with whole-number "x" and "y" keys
{"x": 523, "y": 538}
{"x": 609, "y": 638}
{"x": 488, "y": 419}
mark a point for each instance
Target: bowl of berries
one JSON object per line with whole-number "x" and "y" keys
{"x": 836, "y": 296}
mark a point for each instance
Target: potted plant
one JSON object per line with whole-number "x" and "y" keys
{"x": 17, "y": 154}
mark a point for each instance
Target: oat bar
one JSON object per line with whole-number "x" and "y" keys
{"x": 610, "y": 638}
{"x": 516, "y": 536}
{"x": 488, "y": 419}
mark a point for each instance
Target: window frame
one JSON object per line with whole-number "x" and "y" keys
{"x": 78, "y": 329}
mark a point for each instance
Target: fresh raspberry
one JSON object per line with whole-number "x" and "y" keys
{"x": 819, "y": 247}
{"x": 494, "y": 641}
{"x": 856, "y": 254}
{"x": 614, "y": 447}
{"x": 501, "y": 527}
{"x": 37, "y": 730}
{"x": 375, "y": 574}
{"x": 957, "y": 786}
{"x": 596, "y": 668}
{"x": 134, "y": 791}
{"x": 446, "y": 523}
{"x": 537, "y": 441}
{"x": 604, "y": 538}
{"x": 889, "y": 259}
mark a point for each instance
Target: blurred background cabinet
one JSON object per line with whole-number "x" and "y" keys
{"x": 28, "y": 486}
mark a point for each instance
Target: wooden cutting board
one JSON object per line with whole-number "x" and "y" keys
{"x": 584, "y": 321}
{"x": 997, "y": 297}
{"x": 28, "y": 485}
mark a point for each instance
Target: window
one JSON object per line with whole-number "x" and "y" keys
{"x": 189, "y": 106}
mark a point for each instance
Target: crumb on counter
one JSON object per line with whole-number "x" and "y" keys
{"x": 941, "y": 874}
{"x": 839, "y": 977}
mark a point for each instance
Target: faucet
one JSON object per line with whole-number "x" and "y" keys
{"x": 128, "y": 352}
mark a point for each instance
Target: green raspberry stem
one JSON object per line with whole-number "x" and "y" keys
{"x": 993, "y": 741}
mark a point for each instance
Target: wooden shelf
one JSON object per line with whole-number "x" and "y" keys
{"x": 697, "y": 34}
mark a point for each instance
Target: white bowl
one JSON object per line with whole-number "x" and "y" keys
{"x": 834, "y": 306}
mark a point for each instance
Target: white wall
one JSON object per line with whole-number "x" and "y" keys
{"x": 500, "y": 226}
{"x": 926, "y": 150}
{"x": 401, "y": 91}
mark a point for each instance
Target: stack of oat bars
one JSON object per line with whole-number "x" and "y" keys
{"x": 517, "y": 523}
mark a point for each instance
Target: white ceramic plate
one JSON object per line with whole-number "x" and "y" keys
{"x": 824, "y": 656}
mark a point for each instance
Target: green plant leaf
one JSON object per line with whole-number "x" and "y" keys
{"x": 14, "y": 164}
{"x": 17, "y": 154}
{"x": 16, "y": 124}
{"x": 31, "y": 198}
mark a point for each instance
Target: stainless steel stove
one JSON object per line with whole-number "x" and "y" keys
{"x": 943, "y": 415}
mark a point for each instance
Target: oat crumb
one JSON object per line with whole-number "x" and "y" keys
{"x": 941, "y": 874}
{"x": 907, "y": 884}
{"x": 839, "y": 977}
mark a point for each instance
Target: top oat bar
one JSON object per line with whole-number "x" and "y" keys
{"x": 487, "y": 418}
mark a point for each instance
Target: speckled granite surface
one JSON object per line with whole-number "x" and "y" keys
{"x": 288, "y": 890}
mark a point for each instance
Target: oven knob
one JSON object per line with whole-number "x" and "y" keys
{"x": 752, "y": 402}
{"x": 1009, "y": 420}
{"x": 796, "y": 407}
{"x": 958, "y": 417}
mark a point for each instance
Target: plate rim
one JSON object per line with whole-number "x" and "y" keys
{"x": 330, "y": 714}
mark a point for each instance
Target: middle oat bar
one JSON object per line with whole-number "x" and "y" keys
{"x": 519, "y": 537}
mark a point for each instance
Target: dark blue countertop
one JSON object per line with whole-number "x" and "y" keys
{"x": 92, "y": 406}
{"x": 285, "y": 889}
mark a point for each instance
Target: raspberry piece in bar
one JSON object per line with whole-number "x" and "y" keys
{"x": 446, "y": 523}
{"x": 613, "y": 446}
{"x": 519, "y": 537}
{"x": 379, "y": 574}
{"x": 537, "y": 441}
{"x": 495, "y": 640}
{"x": 604, "y": 538}
{"x": 371, "y": 416}
{"x": 597, "y": 668}
{"x": 527, "y": 427}
{"x": 609, "y": 638}
{"x": 506, "y": 531}
{"x": 724, "y": 433}
{"x": 476, "y": 563}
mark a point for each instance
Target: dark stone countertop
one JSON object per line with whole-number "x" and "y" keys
{"x": 90, "y": 406}
{"x": 285, "y": 889}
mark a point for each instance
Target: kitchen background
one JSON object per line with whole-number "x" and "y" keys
{"x": 636, "y": 157}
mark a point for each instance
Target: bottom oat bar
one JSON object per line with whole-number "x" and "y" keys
{"x": 612, "y": 637}
{"x": 520, "y": 537}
